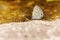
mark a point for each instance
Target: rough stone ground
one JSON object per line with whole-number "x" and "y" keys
{"x": 32, "y": 30}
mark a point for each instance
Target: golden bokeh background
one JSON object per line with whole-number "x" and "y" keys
{"x": 21, "y": 10}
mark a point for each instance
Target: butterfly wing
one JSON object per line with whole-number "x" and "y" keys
{"x": 37, "y": 13}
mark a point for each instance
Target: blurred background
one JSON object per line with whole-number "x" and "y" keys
{"x": 21, "y": 10}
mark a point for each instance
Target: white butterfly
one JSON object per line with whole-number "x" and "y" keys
{"x": 37, "y": 13}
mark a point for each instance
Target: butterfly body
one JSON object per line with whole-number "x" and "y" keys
{"x": 37, "y": 13}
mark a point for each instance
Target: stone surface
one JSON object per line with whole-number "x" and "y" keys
{"x": 32, "y": 30}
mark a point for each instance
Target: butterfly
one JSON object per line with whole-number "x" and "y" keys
{"x": 37, "y": 13}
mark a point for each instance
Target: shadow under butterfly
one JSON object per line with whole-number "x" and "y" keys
{"x": 37, "y": 13}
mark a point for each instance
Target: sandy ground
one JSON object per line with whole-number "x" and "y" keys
{"x": 32, "y": 30}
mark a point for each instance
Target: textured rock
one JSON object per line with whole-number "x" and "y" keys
{"x": 32, "y": 30}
